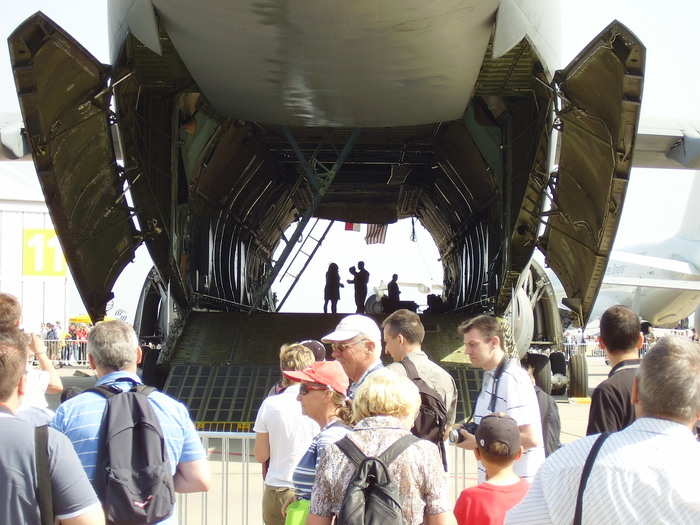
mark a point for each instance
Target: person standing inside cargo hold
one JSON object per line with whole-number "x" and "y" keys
{"x": 360, "y": 281}
{"x": 331, "y": 293}
{"x": 357, "y": 346}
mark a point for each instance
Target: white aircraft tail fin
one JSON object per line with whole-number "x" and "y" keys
{"x": 690, "y": 227}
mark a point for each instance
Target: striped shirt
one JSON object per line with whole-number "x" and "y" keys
{"x": 646, "y": 473}
{"x": 516, "y": 397}
{"x": 305, "y": 472}
{"x": 80, "y": 418}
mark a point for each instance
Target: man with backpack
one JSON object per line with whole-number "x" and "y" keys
{"x": 104, "y": 422}
{"x": 403, "y": 335}
{"x": 40, "y": 475}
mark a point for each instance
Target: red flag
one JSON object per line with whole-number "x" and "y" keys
{"x": 352, "y": 227}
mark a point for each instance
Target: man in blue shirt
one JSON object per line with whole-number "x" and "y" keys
{"x": 113, "y": 353}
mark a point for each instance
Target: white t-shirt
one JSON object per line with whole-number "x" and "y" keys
{"x": 290, "y": 434}
{"x": 516, "y": 397}
{"x": 35, "y": 389}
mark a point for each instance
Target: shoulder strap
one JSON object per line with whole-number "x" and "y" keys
{"x": 410, "y": 368}
{"x": 104, "y": 391}
{"x": 351, "y": 450}
{"x": 395, "y": 450}
{"x": 412, "y": 373}
{"x": 587, "y": 467}
{"x": 497, "y": 379}
{"x": 44, "y": 491}
{"x": 145, "y": 390}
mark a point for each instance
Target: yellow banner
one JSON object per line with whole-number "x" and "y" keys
{"x": 41, "y": 254}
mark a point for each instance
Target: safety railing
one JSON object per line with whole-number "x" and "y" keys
{"x": 235, "y": 493}
{"x": 594, "y": 350}
{"x": 67, "y": 352}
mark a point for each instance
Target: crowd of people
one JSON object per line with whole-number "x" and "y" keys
{"x": 350, "y": 440}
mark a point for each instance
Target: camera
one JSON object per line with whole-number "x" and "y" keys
{"x": 454, "y": 435}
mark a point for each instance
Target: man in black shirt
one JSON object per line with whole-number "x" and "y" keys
{"x": 621, "y": 338}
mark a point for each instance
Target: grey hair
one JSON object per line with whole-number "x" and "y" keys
{"x": 669, "y": 379}
{"x": 112, "y": 344}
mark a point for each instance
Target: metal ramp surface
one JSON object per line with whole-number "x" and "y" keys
{"x": 225, "y": 362}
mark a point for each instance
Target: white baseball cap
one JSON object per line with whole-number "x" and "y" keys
{"x": 352, "y": 326}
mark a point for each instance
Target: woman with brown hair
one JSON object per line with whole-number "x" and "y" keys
{"x": 323, "y": 398}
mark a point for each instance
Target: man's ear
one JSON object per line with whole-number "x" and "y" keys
{"x": 496, "y": 341}
{"x": 601, "y": 344}
{"x": 519, "y": 453}
{"x": 91, "y": 362}
{"x": 640, "y": 341}
{"x": 22, "y": 385}
{"x": 139, "y": 355}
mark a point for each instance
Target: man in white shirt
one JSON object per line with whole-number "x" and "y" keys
{"x": 283, "y": 434}
{"x": 357, "y": 346}
{"x": 506, "y": 388}
{"x": 645, "y": 473}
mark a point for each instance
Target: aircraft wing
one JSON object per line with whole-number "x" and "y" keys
{"x": 669, "y": 284}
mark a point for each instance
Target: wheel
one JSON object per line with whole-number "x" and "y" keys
{"x": 557, "y": 361}
{"x": 542, "y": 371}
{"x": 578, "y": 376}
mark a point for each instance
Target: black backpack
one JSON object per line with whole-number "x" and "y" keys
{"x": 372, "y": 498}
{"x": 431, "y": 421}
{"x": 133, "y": 478}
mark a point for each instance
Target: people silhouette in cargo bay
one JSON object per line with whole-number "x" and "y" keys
{"x": 360, "y": 281}
{"x": 332, "y": 290}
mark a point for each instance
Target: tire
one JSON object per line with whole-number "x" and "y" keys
{"x": 557, "y": 361}
{"x": 578, "y": 376}
{"x": 542, "y": 371}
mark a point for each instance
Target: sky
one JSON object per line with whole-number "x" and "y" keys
{"x": 652, "y": 209}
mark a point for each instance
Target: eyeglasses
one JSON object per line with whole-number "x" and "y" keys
{"x": 342, "y": 347}
{"x": 305, "y": 388}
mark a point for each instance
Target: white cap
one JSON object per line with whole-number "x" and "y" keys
{"x": 352, "y": 326}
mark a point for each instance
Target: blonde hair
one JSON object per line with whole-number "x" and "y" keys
{"x": 343, "y": 408}
{"x": 294, "y": 357}
{"x": 384, "y": 393}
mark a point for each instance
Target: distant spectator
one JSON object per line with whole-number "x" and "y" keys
{"x": 498, "y": 447}
{"x": 73, "y": 499}
{"x": 282, "y": 436}
{"x": 645, "y": 473}
{"x": 113, "y": 352}
{"x": 322, "y": 395}
{"x": 385, "y": 407}
{"x": 357, "y": 346}
{"x": 70, "y": 393}
{"x": 621, "y": 338}
{"x": 506, "y": 388}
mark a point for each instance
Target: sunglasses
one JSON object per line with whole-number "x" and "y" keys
{"x": 342, "y": 347}
{"x": 305, "y": 388}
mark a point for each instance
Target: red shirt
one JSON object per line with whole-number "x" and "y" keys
{"x": 487, "y": 504}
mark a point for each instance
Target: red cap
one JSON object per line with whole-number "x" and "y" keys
{"x": 328, "y": 373}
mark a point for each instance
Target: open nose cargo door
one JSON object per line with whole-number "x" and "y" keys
{"x": 601, "y": 92}
{"x": 65, "y": 106}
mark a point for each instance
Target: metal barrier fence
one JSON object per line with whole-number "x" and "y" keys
{"x": 235, "y": 494}
{"x": 66, "y": 352}
{"x": 593, "y": 350}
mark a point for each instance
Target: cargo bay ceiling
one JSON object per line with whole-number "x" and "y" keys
{"x": 214, "y": 194}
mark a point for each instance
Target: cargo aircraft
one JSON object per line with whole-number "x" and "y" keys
{"x": 228, "y": 121}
